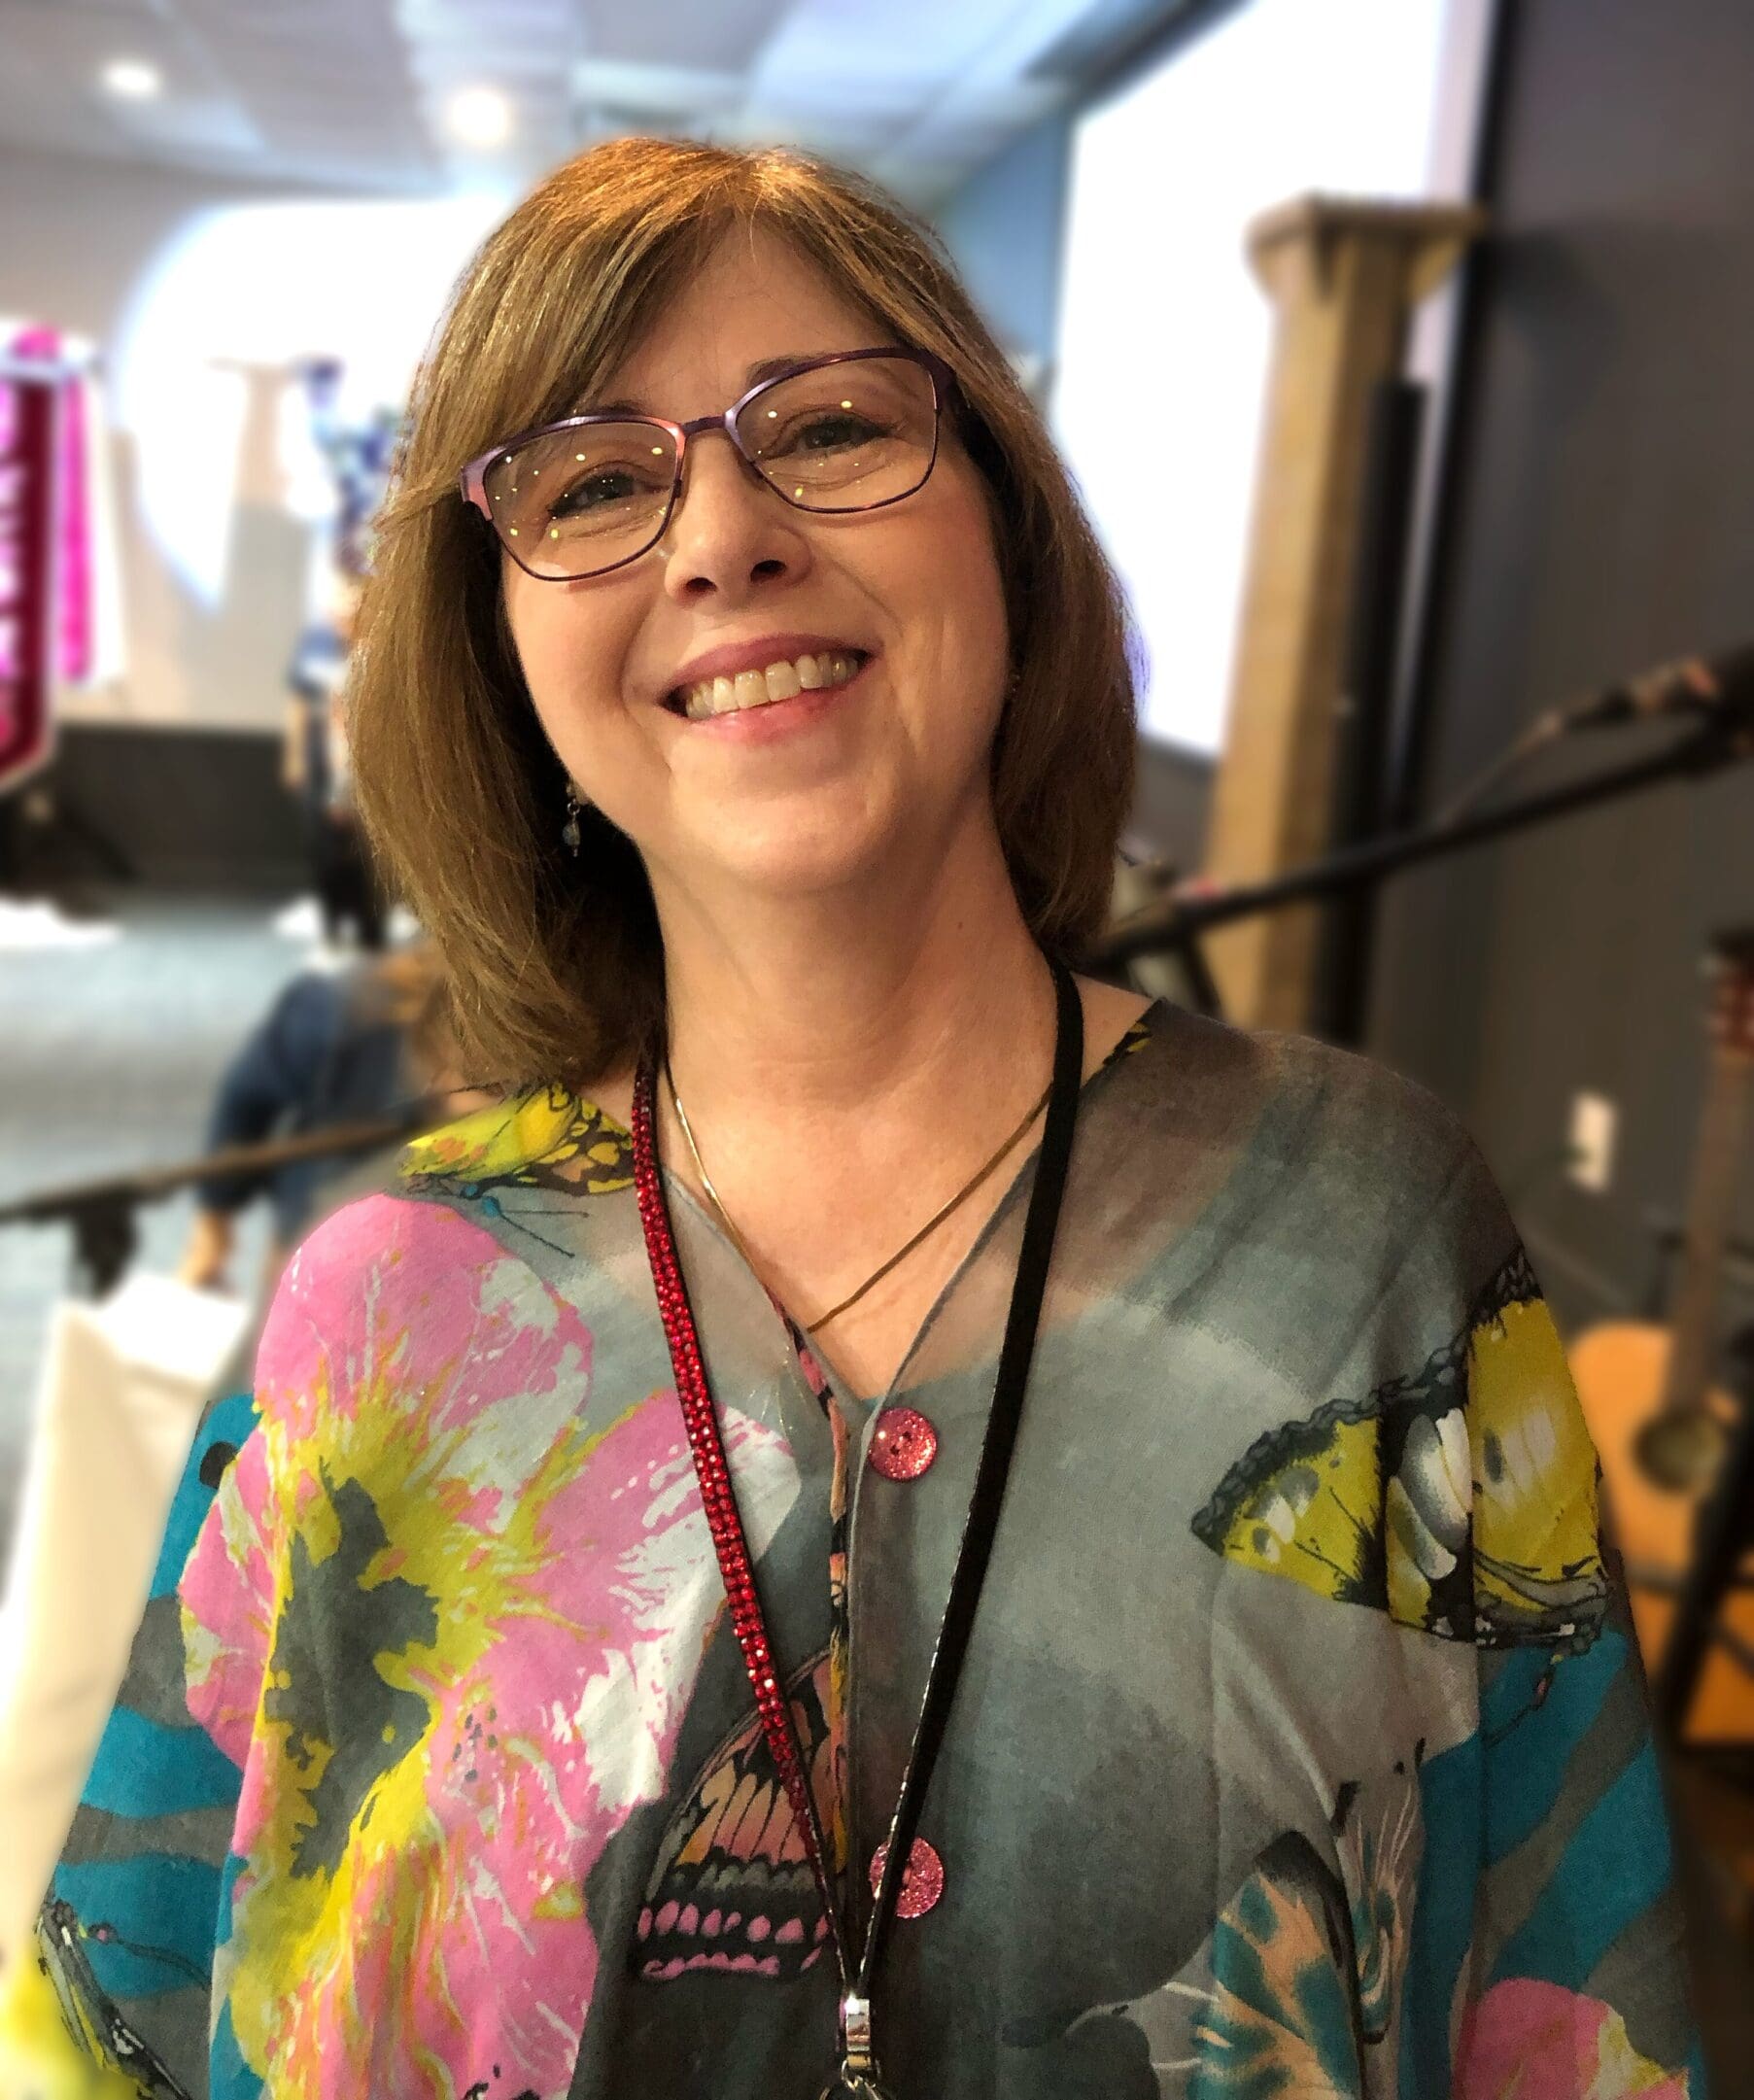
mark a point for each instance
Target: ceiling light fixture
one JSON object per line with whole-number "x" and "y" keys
{"x": 132, "y": 79}
{"x": 478, "y": 117}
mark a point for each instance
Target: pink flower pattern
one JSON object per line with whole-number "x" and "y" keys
{"x": 1525, "y": 2039}
{"x": 424, "y": 1401}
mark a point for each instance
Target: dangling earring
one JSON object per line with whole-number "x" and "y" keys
{"x": 570, "y": 832}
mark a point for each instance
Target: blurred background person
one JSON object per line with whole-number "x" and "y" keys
{"x": 338, "y": 1048}
{"x": 318, "y": 772}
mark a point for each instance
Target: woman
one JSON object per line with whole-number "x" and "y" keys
{"x": 756, "y": 774}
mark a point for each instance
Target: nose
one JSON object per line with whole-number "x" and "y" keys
{"x": 729, "y": 533}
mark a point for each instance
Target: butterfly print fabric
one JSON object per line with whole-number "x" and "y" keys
{"x": 1301, "y": 1748}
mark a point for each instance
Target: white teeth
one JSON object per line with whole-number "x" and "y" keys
{"x": 758, "y": 688}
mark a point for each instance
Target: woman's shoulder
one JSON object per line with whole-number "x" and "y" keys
{"x": 1297, "y": 1101}
{"x": 548, "y": 1135}
{"x": 450, "y": 1200}
{"x": 398, "y": 1294}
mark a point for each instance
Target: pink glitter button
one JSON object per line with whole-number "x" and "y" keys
{"x": 921, "y": 1884}
{"x": 902, "y": 1445}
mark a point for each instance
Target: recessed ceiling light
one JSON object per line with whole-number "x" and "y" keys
{"x": 478, "y": 117}
{"x": 131, "y": 80}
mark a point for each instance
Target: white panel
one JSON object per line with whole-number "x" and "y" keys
{"x": 1164, "y": 334}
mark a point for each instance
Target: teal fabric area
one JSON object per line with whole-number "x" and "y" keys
{"x": 1247, "y": 2064}
{"x": 147, "y": 1913}
{"x": 222, "y": 1929}
{"x": 1443, "y": 1914}
{"x": 228, "y": 1422}
{"x": 1530, "y": 1747}
{"x": 160, "y": 1908}
{"x": 1487, "y": 1797}
{"x": 229, "y": 2075}
{"x": 143, "y": 1769}
{"x": 1614, "y": 1868}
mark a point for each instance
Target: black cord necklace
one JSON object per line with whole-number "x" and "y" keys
{"x": 858, "y": 2075}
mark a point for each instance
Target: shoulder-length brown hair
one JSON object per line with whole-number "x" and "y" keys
{"x": 553, "y": 965}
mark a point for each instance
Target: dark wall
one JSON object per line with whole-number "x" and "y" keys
{"x": 1603, "y": 488}
{"x": 181, "y": 807}
{"x": 1170, "y": 801}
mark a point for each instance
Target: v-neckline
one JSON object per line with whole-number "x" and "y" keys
{"x": 859, "y": 1406}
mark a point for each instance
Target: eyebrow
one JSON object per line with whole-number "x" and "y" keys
{"x": 766, "y": 368}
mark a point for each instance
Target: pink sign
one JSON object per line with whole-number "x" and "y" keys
{"x": 73, "y": 546}
{"x": 27, "y": 573}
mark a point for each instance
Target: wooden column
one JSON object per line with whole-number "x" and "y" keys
{"x": 1343, "y": 278}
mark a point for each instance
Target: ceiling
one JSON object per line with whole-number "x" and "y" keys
{"x": 351, "y": 94}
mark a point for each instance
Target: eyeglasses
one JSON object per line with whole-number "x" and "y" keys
{"x": 854, "y": 431}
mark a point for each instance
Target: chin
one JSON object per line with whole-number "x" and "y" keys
{"x": 813, "y": 855}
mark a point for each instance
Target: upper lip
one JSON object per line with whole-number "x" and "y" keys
{"x": 732, "y": 657}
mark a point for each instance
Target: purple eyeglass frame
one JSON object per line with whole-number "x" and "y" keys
{"x": 472, "y": 481}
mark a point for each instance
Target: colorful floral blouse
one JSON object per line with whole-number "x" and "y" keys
{"x": 1300, "y": 1750}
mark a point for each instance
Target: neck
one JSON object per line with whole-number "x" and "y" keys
{"x": 848, "y": 1065}
{"x": 906, "y": 997}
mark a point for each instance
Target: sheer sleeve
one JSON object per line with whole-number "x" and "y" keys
{"x": 126, "y": 1934}
{"x": 1571, "y": 1982}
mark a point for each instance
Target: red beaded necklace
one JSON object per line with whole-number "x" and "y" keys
{"x": 858, "y": 2073}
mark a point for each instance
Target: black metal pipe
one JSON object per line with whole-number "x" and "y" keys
{"x": 50, "y": 1206}
{"x": 1366, "y": 706}
{"x": 1196, "y": 906}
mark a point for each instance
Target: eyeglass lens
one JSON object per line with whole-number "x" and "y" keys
{"x": 836, "y": 437}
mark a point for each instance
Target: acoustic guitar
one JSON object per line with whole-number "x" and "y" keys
{"x": 1660, "y": 1423}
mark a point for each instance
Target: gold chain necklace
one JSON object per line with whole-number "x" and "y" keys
{"x": 876, "y": 1276}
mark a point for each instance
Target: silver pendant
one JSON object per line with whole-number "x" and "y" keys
{"x": 857, "y": 2077}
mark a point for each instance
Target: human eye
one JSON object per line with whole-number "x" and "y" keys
{"x": 602, "y": 484}
{"x": 601, "y": 489}
{"x": 826, "y": 431}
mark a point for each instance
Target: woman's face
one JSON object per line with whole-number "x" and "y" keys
{"x": 794, "y": 797}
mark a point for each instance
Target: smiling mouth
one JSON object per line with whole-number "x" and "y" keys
{"x": 783, "y": 680}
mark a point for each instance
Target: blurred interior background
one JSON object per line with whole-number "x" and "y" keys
{"x": 1436, "y": 315}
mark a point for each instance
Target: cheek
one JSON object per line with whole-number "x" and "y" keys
{"x": 957, "y": 575}
{"x": 522, "y": 617}
{"x": 532, "y": 613}
{"x": 565, "y": 644}
{"x": 972, "y": 557}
